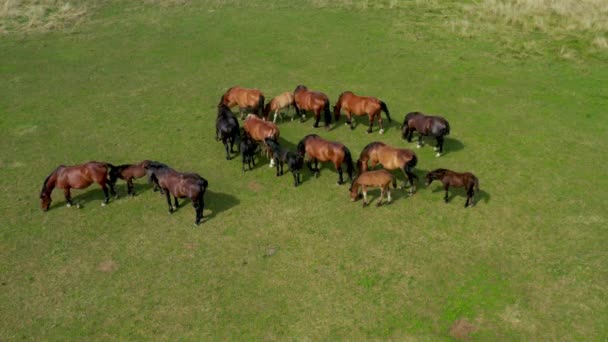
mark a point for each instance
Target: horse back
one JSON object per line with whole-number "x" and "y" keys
{"x": 378, "y": 178}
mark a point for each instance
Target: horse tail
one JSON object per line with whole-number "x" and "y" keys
{"x": 476, "y": 184}
{"x": 410, "y": 164}
{"x": 446, "y": 130}
{"x": 394, "y": 182}
{"x": 261, "y": 105}
{"x": 384, "y": 108}
{"x": 327, "y": 113}
{"x": 348, "y": 159}
{"x": 267, "y": 110}
{"x": 338, "y": 107}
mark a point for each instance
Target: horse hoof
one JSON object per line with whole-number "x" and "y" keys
{"x": 437, "y": 155}
{"x": 68, "y": 205}
{"x": 368, "y": 131}
{"x": 381, "y": 131}
{"x": 378, "y": 204}
{"x": 418, "y": 146}
{"x": 435, "y": 148}
{"x": 103, "y": 204}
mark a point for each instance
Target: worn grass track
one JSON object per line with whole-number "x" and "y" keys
{"x": 276, "y": 262}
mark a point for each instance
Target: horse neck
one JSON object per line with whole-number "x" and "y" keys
{"x": 50, "y": 182}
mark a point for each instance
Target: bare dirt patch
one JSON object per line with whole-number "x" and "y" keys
{"x": 254, "y": 186}
{"x": 107, "y": 266}
{"x": 461, "y": 329}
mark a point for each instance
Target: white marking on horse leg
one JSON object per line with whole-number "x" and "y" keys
{"x": 436, "y": 148}
{"x": 103, "y": 204}
{"x": 68, "y": 205}
{"x": 381, "y": 131}
{"x": 390, "y": 199}
{"x": 438, "y": 155}
{"x": 418, "y": 146}
{"x": 77, "y": 205}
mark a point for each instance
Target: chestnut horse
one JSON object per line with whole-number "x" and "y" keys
{"x": 245, "y": 98}
{"x": 314, "y": 101}
{"x": 455, "y": 179}
{"x": 76, "y": 177}
{"x": 426, "y": 125}
{"x": 319, "y": 149}
{"x": 128, "y": 172}
{"x": 277, "y": 104}
{"x": 361, "y": 105}
{"x": 378, "y": 179}
{"x": 259, "y": 130}
{"x": 226, "y": 128}
{"x": 391, "y": 158}
{"x": 180, "y": 185}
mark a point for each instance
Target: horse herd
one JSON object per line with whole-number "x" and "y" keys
{"x": 258, "y": 133}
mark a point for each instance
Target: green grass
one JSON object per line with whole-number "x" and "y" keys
{"x": 275, "y": 262}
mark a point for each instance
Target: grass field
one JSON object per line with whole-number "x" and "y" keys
{"x": 272, "y": 262}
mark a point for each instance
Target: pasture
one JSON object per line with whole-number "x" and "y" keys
{"x": 134, "y": 81}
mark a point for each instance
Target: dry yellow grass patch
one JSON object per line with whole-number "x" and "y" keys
{"x": 40, "y": 15}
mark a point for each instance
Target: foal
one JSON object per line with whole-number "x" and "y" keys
{"x": 455, "y": 179}
{"x": 128, "y": 172}
{"x": 226, "y": 128}
{"x": 282, "y": 156}
{"x": 248, "y": 150}
{"x": 285, "y": 100}
{"x": 379, "y": 179}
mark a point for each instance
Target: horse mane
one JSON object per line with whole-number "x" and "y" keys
{"x": 46, "y": 180}
{"x": 439, "y": 171}
{"x": 300, "y": 86}
{"x": 371, "y": 145}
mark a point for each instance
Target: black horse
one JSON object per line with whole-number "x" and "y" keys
{"x": 226, "y": 128}
{"x": 426, "y": 125}
{"x": 284, "y": 156}
{"x": 455, "y": 179}
{"x": 248, "y": 149}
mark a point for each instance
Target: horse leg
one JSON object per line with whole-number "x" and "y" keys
{"x": 380, "y": 123}
{"x": 371, "y": 124}
{"x": 340, "y": 179}
{"x": 446, "y": 187}
{"x": 226, "y": 148}
{"x": 364, "y": 190}
{"x": 277, "y": 162}
{"x": 282, "y": 164}
{"x": 390, "y": 199}
{"x": 296, "y": 177}
{"x": 410, "y": 134}
{"x": 439, "y": 146}
{"x": 232, "y": 145}
{"x": 419, "y": 141}
{"x": 317, "y": 170}
{"x": 105, "y": 194}
{"x": 350, "y": 120}
{"x": 168, "y": 196}
{"x": 381, "y": 197}
{"x": 68, "y": 197}
{"x": 470, "y": 194}
{"x": 317, "y": 118}
{"x": 241, "y": 112}
{"x": 130, "y": 190}
{"x": 176, "y": 203}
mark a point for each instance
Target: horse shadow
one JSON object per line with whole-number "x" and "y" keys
{"x": 139, "y": 188}
{"x": 462, "y": 194}
{"x": 89, "y": 196}
{"x": 218, "y": 202}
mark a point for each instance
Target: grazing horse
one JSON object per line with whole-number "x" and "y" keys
{"x": 248, "y": 150}
{"x": 226, "y": 128}
{"x": 76, "y": 177}
{"x": 379, "y": 179}
{"x": 246, "y": 99}
{"x": 319, "y": 149}
{"x": 426, "y": 125}
{"x": 259, "y": 130}
{"x": 181, "y": 185}
{"x": 391, "y": 158}
{"x": 285, "y": 100}
{"x": 455, "y": 179}
{"x": 128, "y": 172}
{"x": 361, "y": 105}
{"x": 314, "y": 101}
{"x": 282, "y": 156}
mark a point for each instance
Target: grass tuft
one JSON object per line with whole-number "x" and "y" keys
{"x": 26, "y": 16}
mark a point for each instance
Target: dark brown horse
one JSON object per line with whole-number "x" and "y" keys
{"x": 180, "y": 185}
{"x": 319, "y": 149}
{"x": 391, "y": 158}
{"x": 455, "y": 179}
{"x": 426, "y": 125}
{"x": 227, "y": 128}
{"x": 378, "y": 179}
{"x": 314, "y": 101}
{"x": 76, "y": 177}
{"x": 259, "y": 130}
{"x": 128, "y": 172}
{"x": 361, "y": 105}
{"x": 246, "y": 99}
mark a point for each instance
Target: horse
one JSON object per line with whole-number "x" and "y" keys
{"x": 226, "y": 128}
{"x": 361, "y": 105}
{"x": 259, "y": 130}
{"x": 426, "y": 125}
{"x": 314, "y": 101}
{"x": 76, "y": 177}
{"x": 319, "y": 149}
{"x": 245, "y": 98}
{"x": 128, "y": 172}
{"x": 391, "y": 158}
{"x": 285, "y": 100}
{"x": 248, "y": 149}
{"x": 378, "y": 178}
{"x": 284, "y": 156}
{"x": 455, "y": 179}
{"x": 181, "y": 185}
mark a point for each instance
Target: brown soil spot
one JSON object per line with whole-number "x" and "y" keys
{"x": 461, "y": 329}
{"x": 107, "y": 266}
{"x": 190, "y": 246}
{"x": 255, "y": 186}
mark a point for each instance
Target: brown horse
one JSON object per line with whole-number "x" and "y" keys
{"x": 426, "y": 125}
{"x": 180, "y": 185}
{"x": 246, "y": 99}
{"x": 76, "y": 177}
{"x": 128, "y": 172}
{"x": 285, "y": 100}
{"x": 379, "y": 179}
{"x": 259, "y": 130}
{"x": 361, "y": 105}
{"x": 455, "y": 179}
{"x": 391, "y": 158}
{"x": 319, "y": 149}
{"x": 314, "y": 101}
